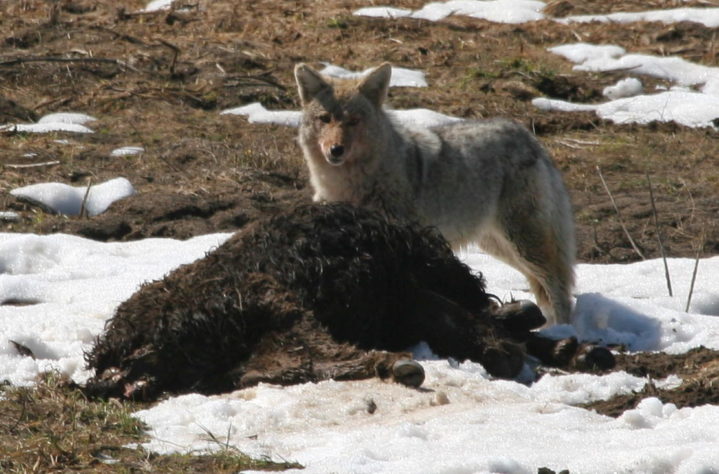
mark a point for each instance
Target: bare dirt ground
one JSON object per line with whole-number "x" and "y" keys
{"x": 698, "y": 370}
{"x": 159, "y": 80}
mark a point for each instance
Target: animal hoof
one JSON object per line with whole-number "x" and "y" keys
{"x": 595, "y": 358}
{"x": 564, "y": 351}
{"x": 504, "y": 361}
{"x": 408, "y": 372}
{"x": 520, "y": 316}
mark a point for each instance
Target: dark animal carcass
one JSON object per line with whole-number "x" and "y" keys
{"x": 317, "y": 292}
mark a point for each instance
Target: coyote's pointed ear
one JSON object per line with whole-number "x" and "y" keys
{"x": 376, "y": 84}
{"x": 309, "y": 82}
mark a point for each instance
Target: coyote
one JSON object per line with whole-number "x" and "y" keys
{"x": 488, "y": 182}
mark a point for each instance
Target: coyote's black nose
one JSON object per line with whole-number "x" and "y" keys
{"x": 337, "y": 150}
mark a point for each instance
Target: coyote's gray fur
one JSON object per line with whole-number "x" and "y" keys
{"x": 484, "y": 181}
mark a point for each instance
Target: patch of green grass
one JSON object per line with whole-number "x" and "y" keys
{"x": 525, "y": 66}
{"x": 480, "y": 73}
{"x": 53, "y": 426}
{"x": 337, "y": 22}
{"x": 507, "y": 68}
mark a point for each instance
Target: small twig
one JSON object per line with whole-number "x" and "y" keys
{"x": 54, "y": 15}
{"x": 224, "y": 445}
{"x": 569, "y": 145}
{"x": 659, "y": 237}
{"x": 55, "y": 101}
{"x": 122, "y": 36}
{"x": 50, "y": 59}
{"x": 35, "y": 203}
{"x": 582, "y": 142}
{"x": 694, "y": 273}
{"x": 596, "y": 238}
{"x": 176, "y": 53}
{"x": 623, "y": 69}
{"x": 577, "y": 144}
{"x": 83, "y": 206}
{"x": 263, "y": 78}
{"x": 691, "y": 199}
{"x": 22, "y": 349}
{"x": 619, "y": 215}
{"x": 31, "y": 165}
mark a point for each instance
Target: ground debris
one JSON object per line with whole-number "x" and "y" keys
{"x": 698, "y": 370}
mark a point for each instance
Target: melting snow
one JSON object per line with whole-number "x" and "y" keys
{"x": 57, "y": 122}
{"x": 65, "y": 199}
{"x": 127, "y": 151}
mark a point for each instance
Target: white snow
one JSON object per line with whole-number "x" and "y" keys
{"x": 599, "y": 58}
{"x": 56, "y": 122}
{"x": 584, "y": 52}
{"x": 708, "y": 17}
{"x": 66, "y": 199}
{"x": 627, "y": 104}
{"x": 421, "y": 118}
{"x": 67, "y": 117}
{"x": 681, "y": 104}
{"x": 257, "y": 113}
{"x": 9, "y": 216}
{"x": 72, "y": 285}
{"x": 687, "y": 108}
{"x": 127, "y": 151}
{"x": 498, "y": 11}
{"x": 401, "y": 77}
{"x": 522, "y": 11}
{"x": 383, "y": 12}
{"x": 156, "y": 5}
{"x": 46, "y": 127}
{"x": 627, "y": 87}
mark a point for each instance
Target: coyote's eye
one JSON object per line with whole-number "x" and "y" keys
{"x": 352, "y": 121}
{"x": 325, "y": 118}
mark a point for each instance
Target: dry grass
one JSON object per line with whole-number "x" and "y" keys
{"x": 183, "y": 67}
{"x": 53, "y": 427}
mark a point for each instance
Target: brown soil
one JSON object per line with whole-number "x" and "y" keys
{"x": 698, "y": 369}
{"x": 159, "y": 80}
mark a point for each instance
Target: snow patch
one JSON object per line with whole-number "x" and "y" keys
{"x": 681, "y": 104}
{"x": 401, "y": 77}
{"x": 497, "y": 11}
{"x": 65, "y": 199}
{"x": 257, "y": 113}
{"x": 156, "y": 5}
{"x": 67, "y": 117}
{"x": 127, "y": 151}
{"x": 628, "y": 87}
{"x": 57, "y": 122}
{"x": 9, "y": 216}
{"x": 708, "y": 17}
{"x": 462, "y": 421}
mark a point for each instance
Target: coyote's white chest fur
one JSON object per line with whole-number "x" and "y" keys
{"x": 488, "y": 182}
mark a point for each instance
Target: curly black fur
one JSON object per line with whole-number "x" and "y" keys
{"x": 320, "y": 291}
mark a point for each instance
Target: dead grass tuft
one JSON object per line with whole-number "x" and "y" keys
{"x": 53, "y": 427}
